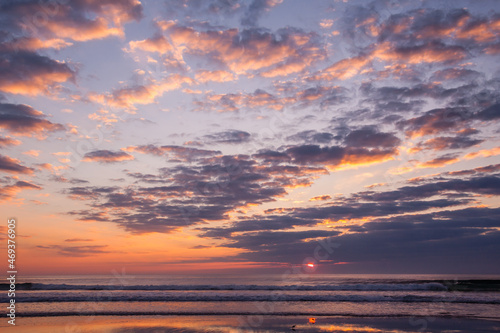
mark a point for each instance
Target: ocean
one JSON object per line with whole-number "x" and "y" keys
{"x": 252, "y": 300}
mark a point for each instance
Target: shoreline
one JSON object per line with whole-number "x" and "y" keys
{"x": 188, "y": 323}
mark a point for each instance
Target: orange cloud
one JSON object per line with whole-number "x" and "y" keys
{"x": 7, "y": 141}
{"x": 215, "y": 76}
{"x": 157, "y": 44}
{"x": 32, "y": 152}
{"x": 31, "y": 77}
{"x": 426, "y": 53}
{"x": 128, "y": 97}
{"x": 483, "y": 153}
{"x": 321, "y": 198}
{"x": 289, "y": 52}
{"x": 343, "y": 69}
{"x": 9, "y": 192}
{"x": 71, "y": 20}
{"x": 34, "y": 44}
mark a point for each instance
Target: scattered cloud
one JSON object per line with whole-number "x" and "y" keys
{"x": 107, "y": 156}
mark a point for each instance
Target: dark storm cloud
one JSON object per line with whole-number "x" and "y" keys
{"x": 24, "y": 120}
{"x": 230, "y": 136}
{"x": 107, "y": 156}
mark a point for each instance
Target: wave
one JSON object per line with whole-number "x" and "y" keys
{"x": 426, "y": 286}
{"x": 276, "y": 297}
{"x": 244, "y": 313}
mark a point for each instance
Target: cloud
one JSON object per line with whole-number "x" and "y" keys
{"x": 33, "y": 153}
{"x": 7, "y": 141}
{"x": 128, "y": 97}
{"x": 312, "y": 136}
{"x": 343, "y": 69}
{"x": 233, "y": 102}
{"x": 483, "y": 185}
{"x": 77, "y": 251}
{"x": 174, "y": 153}
{"x": 439, "y": 162}
{"x": 255, "y": 10}
{"x": 444, "y": 143}
{"x": 107, "y": 156}
{"x": 434, "y": 51}
{"x": 370, "y": 137}
{"x": 336, "y": 156}
{"x": 71, "y": 20}
{"x": 28, "y": 73}
{"x": 490, "y": 113}
{"x": 321, "y": 198}
{"x": 33, "y": 44}
{"x": 230, "y": 136}
{"x": 23, "y": 120}
{"x": 30, "y": 26}
{"x": 455, "y": 74}
{"x": 435, "y": 121}
{"x": 78, "y": 240}
{"x": 13, "y": 165}
{"x": 9, "y": 192}
{"x": 157, "y": 44}
{"x": 483, "y": 153}
{"x": 204, "y": 76}
{"x": 287, "y": 51}
{"x": 209, "y": 188}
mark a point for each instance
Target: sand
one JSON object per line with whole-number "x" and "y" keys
{"x": 247, "y": 324}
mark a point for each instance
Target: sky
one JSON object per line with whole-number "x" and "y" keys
{"x": 251, "y": 136}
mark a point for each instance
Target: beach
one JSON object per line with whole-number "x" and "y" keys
{"x": 258, "y": 303}
{"x": 232, "y": 324}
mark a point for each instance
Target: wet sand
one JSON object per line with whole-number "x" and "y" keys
{"x": 248, "y": 324}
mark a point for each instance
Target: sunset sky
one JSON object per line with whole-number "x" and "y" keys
{"x": 184, "y": 136}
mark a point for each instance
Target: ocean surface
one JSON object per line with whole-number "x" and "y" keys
{"x": 421, "y": 298}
